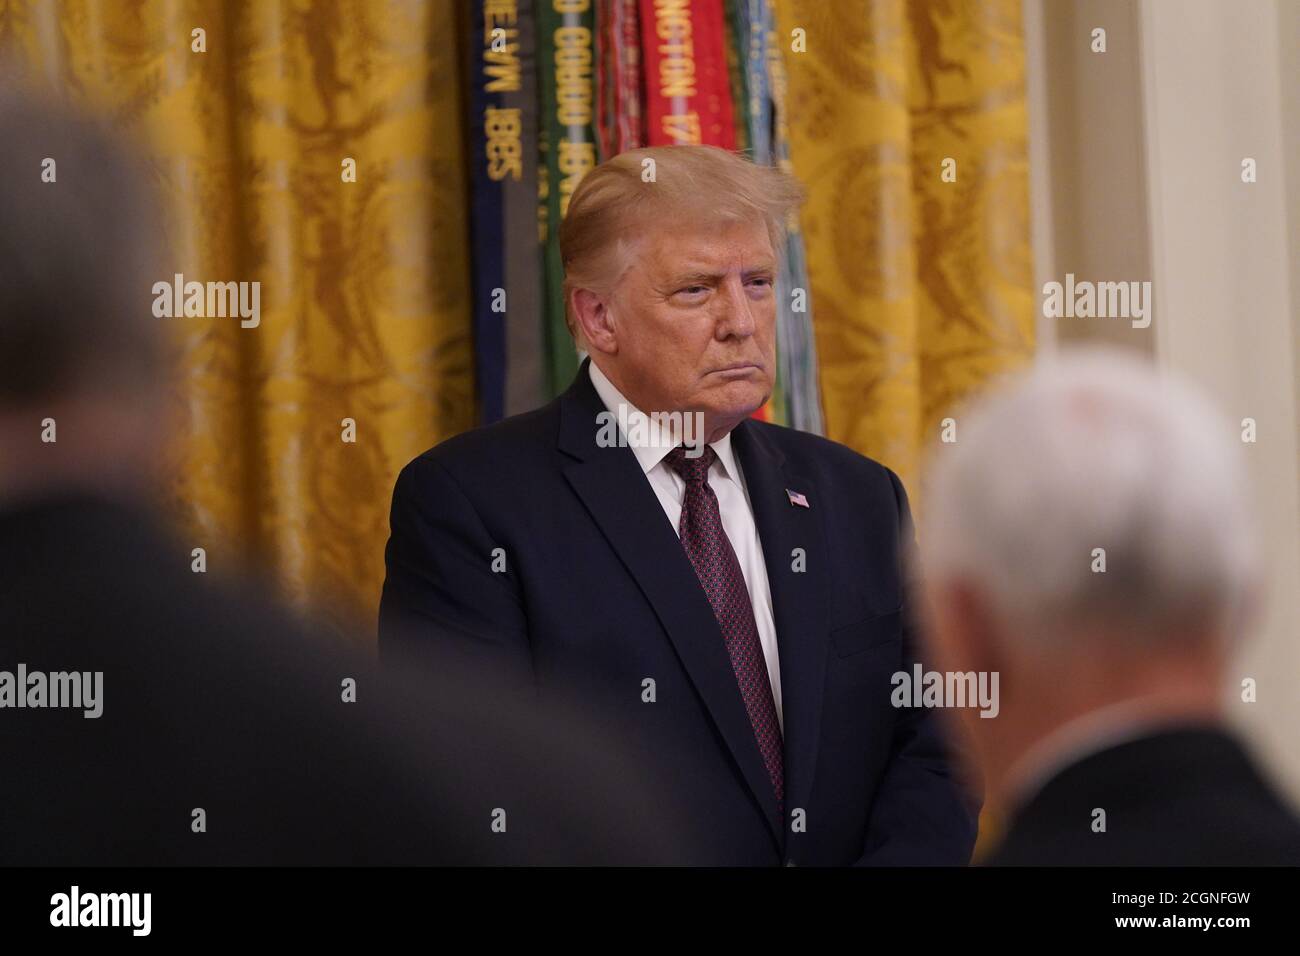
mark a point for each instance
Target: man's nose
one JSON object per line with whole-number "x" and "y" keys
{"x": 736, "y": 315}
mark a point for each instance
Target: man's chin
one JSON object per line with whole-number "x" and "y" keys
{"x": 736, "y": 404}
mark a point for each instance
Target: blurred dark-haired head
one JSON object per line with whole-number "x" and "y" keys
{"x": 80, "y": 247}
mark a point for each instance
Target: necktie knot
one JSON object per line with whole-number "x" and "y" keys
{"x": 691, "y": 468}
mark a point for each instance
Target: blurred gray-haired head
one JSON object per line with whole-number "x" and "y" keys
{"x": 1094, "y": 450}
{"x": 79, "y": 243}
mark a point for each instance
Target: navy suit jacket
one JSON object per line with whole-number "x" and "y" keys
{"x": 529, "y": 542}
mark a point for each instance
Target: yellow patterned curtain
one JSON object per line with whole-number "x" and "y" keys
{"x": 922, "y": 288}
{"x": 364, "y": 285}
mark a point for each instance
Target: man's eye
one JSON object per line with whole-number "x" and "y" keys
{"x": 692, "y": 290}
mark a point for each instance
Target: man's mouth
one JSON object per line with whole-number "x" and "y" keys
{"x": 738, "y": 369}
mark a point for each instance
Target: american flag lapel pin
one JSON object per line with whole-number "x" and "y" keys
{"x": 797, "y": 499}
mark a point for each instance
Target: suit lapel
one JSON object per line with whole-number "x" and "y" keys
{"x": 612, "y": 487}
{"x": 799, "y": 598}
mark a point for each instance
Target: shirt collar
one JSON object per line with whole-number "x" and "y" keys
{"x": 658, "y": 440}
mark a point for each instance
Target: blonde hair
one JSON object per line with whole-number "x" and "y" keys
{"x": 632, "y": 193}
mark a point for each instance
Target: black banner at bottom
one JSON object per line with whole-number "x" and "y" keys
{"x": 336, "y": 906}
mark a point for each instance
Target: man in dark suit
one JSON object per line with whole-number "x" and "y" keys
{"x": 726, "y": 592}
{"x": 153, "y": 715}
{"x": 1091, "y": 545}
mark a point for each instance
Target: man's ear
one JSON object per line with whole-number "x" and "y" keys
{"x": 592, "y": 315}
{"x": 964, "y": 631}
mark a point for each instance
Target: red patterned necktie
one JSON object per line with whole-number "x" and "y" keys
{"x": 715, "y": 564}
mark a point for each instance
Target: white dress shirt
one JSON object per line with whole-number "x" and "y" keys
{"x": 728, "y": 484}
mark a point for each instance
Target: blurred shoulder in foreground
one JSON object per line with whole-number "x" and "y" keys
{"x": 213, "y": 699}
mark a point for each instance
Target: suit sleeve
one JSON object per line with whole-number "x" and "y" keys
{"x": 449, "y": 594}
{"x": 925, "y": 811}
